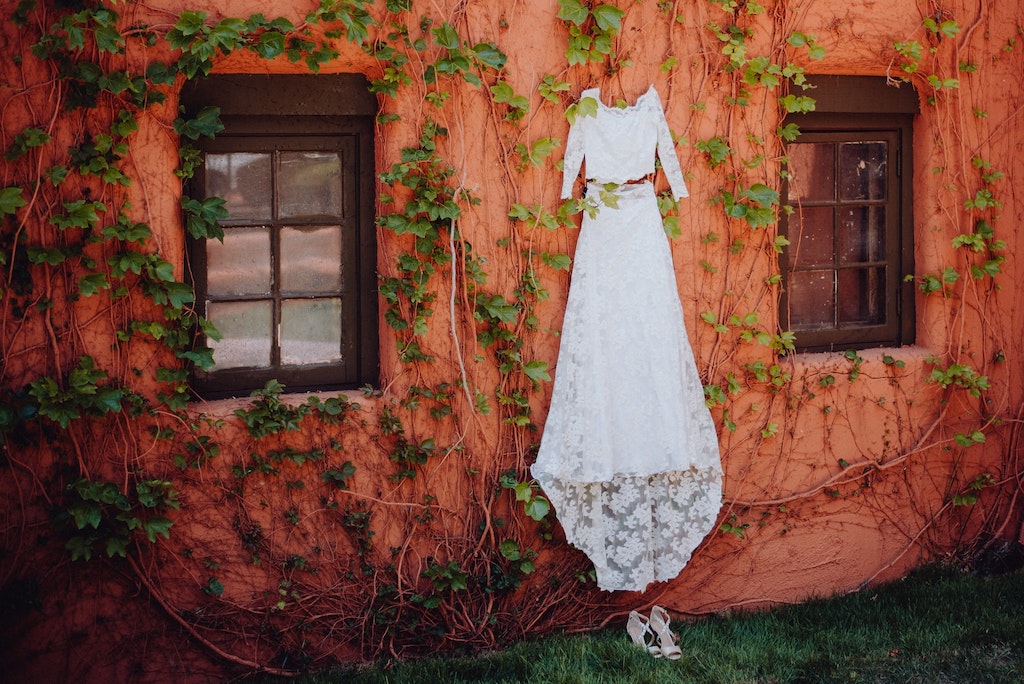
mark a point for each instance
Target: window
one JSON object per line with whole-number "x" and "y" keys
{"x": 851, "y": 231}
{"x": 292, "y": 288}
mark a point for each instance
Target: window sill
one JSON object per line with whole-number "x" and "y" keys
{"x": 913, "y": 358}
{"x": 223, "y": 409}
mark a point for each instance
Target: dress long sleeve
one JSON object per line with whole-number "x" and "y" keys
{"x": 572, "y": 162}
{"x": 667, "y": 155}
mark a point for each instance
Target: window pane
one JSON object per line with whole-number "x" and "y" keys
{"x": 862, "y": 296}
{"x": 245, "y": 328}
{"x": 311, "y": 259}
{"x": 241, "y": 264}
{"x": 243, "y": 179}
{"x": 310, "y": 331}
{"x": 861, "y": 234}
{"x": 812, "y": 172}
{"x": 812, "y": 300}
{"x": 310, "y": 184}
{"x": 862, "y": 169}
{"x": 813, "y": 244}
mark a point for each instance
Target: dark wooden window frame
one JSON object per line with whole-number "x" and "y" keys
{"x": 308, "y": 113}
{"x": 862, "y": 108}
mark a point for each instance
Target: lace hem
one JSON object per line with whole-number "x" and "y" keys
{"x": 638, "y": 529}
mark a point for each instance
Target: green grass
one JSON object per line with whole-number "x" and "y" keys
{"x": 938, "y": 625}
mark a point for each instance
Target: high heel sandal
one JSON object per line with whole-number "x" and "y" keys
{"x": 638, "y": 628}
{"x": 659, "y": 624}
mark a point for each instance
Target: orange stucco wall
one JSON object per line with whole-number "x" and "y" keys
{"x": 852, "y": 485}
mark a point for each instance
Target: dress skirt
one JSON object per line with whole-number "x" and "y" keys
{"x": 629, "y": 456}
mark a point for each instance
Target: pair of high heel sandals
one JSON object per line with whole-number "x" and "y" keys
{"x": 653, "y": 634}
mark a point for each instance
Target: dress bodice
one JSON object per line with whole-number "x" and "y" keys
{"x": 620, "y": 143}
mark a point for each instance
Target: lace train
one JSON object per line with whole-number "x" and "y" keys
{"x": 637, "y": 529}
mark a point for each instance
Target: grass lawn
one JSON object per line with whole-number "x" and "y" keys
{"x": 937, "y": 625}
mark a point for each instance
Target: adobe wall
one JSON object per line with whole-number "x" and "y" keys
{"x": 834, "y": 479}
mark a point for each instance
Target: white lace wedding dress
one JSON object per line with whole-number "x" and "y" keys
{"x": 629, "y": 455}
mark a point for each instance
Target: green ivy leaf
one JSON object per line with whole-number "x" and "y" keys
{"x": 541, "y": 149}
{"x": 458, "y": 581}
{"x": 489, "y": 55}
{"x": 446, "y": 36}
{"x": 431, "y": 602}
{"x": 80, "y": 214}
{"x": 157, "y": 525}
{"x": 497, "y": 307}
{"x": 26, "y": 140}
{"x": 587, "y": 106}
{"x": 509, "y": 550}
{"x": 789, "y": 132}
{"x": 797, "y": 39}
{"x": 179, "y": 294}
{"x": 762, "y": 194}
{"x": 524, "y": 491}
{"x": 159, "y": 269}
{"x": 759, "y": 217}
{"x": 80, "y": 547}
{"x": 537, "y": 508}
{"x": 159, "y": 73}
{"x": 189, "y": 24}
{"x": 577, "y": 53}
{"x": 537, "y": 371}
{"x": 572, "y": 10}
{"x": 51, "y": 256}
{"x": 797, "y": 103}
{"x": 270, "y": 44}
{"x": 602, "y": 44}
{"x": 816, "y": 52}
{"x": 11, "y": 200}
{"x": 205, "y": 123}
{"x": 672, "y": 227}
{"x": 127, "y": 231}
{"x": 549, "y": 88}
{"x": 559, "y": 262}
{"x": 502, "y": 92}
{"x": 214, "y": 587}
{"x": 86, "y": 514}
{"x": 93, "y": 283}
{"x": 116, "y": 546}
{"x": 108, "y": 400}
{"x": 201, "y": 217}
{"x": 124, "y": 262}
{"x": 201, "y": 357}
{"x": 608, "y": 17}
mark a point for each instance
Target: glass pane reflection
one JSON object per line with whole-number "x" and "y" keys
{"x": 241, "y": 264}
{"x": 862, "y": 296}
{"x": 310, "y": 331}
{"x": 862, "y": 170}
{"x": 812, "y": 300}
{"x": 243, "y": 180}
{"x": 245, "y": 328}
{"x": 813, "y": 245}
{"x": 861, "y": 234}
{"x": 311, "y": 259}
{"x": 812, "y": 172}
{"x": 310, "y": 184}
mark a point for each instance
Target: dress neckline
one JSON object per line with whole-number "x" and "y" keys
{"x": 627, "y": 108}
